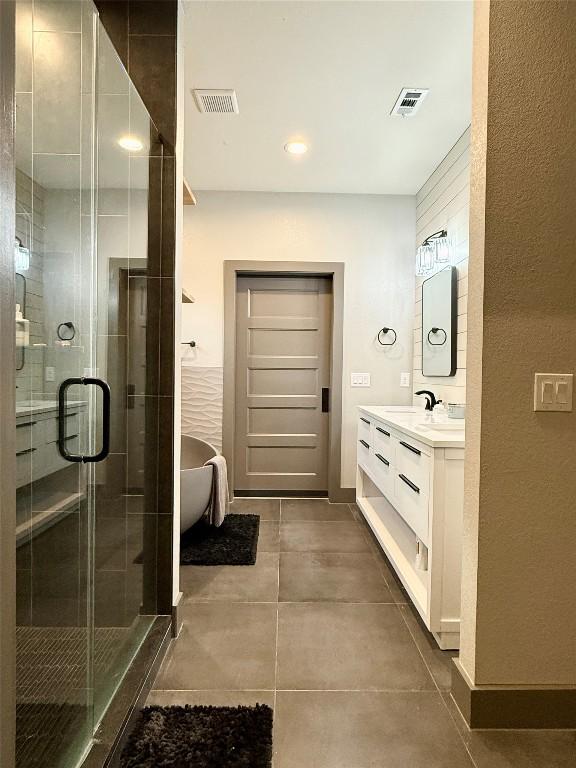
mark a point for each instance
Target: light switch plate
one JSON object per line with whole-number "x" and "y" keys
{"x": 359, "y": 379}
{"x": 553, "y": 391}
{"x": 49, "y": 373}
{"x": 405, "y": 379}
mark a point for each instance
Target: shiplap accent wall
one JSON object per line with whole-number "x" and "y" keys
{"x": 444, "y": 203}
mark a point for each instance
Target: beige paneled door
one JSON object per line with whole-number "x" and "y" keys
{"x": 283, "y": 342}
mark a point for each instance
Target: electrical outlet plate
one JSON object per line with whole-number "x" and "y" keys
{"x": 553, "y": 391}
{"x": 359, "y": 379}
{"x": 49, "y": 373}
{"x": 405, "y": 379}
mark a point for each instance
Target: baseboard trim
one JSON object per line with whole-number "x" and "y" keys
{"x": 488, "y": 706}
{"x": 268, "y": 494}
{"x": 342, "y": 495}
{"x": 176, "y": 619}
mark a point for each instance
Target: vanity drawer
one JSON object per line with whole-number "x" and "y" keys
{"x": 411, "y": 461}
{"x": 412, "y": 504}
{"x": 29, "y": 434}
{"x": 25, "y": 464}
{"x": 364, "y": 429}
{"x": 72, "y": 427}
{"x": 54, "y": 460}
{"x": 363, "y": 453}
{"x": 383, "y": 473}
{"x": 382, "y": 440}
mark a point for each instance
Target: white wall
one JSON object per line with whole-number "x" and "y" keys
{"x": 372, "y": 234}
{"x": 444, "y": 203}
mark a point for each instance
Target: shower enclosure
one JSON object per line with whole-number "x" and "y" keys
{"x": 88, "y": 204}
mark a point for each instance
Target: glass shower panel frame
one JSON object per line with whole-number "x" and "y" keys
{"x": 127, "y": 224}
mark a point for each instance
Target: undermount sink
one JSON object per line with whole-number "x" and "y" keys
{"x": 400, "y": 408}
{"x": 445, "y": 426}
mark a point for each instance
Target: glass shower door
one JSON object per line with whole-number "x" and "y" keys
{"x": 54, "y": 261}
{"x": 88, "y": 236}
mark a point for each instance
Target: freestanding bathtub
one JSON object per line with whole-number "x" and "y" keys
{"x": 195, "y": 480}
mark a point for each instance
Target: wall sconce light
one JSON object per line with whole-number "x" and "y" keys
{"x": 434, "y": 251}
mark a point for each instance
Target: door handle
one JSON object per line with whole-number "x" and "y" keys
{"x": 325, "y": 399}
{"x": 62, "y": 437}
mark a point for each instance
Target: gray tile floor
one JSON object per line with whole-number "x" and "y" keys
{"x": 320, "y": 630}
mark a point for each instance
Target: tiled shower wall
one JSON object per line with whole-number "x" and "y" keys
{"x": 30, "y": 200}
{"x": 143, "y": 33}
{"x": 444, "y": 203}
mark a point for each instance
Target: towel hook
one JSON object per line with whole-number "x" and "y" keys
{"x": 384, "y": 331}
{"x": 435, "y": 331}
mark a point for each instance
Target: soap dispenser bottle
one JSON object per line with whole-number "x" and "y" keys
{"x": 439, "y": 413}
{"x": 22, "y": 329}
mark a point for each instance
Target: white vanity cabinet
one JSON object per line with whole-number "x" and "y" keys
{"x": 37, "y": 453}
{"x": 410, "y": 489}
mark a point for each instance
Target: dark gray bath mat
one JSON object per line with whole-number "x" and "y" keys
{"x": 234, "y": 543}
{"x": 201, "y": 737}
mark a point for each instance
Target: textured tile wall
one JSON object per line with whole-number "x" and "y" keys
{"x": 202, "y": 392}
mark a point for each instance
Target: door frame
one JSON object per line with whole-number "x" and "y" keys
{"x": 333, "y": 270}
{"x": 7, "y": 391}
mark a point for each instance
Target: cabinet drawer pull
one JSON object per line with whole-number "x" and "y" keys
{"x": 379, "y": 429}
{"x": 382, "y": 459}
{"x": 411, "y": 448}
{"x": 364, "y": 420}
{"x": 23, "y": 453}
{"x": 26, "y": 424}
{"x": 364, "y": 443}
{"x": 409, "y": 483}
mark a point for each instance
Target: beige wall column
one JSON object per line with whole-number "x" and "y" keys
{"x": 518, "y": 655}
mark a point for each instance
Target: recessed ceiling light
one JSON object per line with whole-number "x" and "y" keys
{"x": 130, "y": 143}
{"x": 296, "y": 147}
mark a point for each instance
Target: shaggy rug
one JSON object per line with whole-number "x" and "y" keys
{"x": 234, "y": 543}
{"x": 201, "y": 737}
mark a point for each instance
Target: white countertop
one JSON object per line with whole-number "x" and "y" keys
{"x": 29, "y": 407}
{"x": 412, "y": 421}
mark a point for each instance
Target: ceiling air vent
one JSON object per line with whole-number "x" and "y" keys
{"x": 409, "y": 101}
{"x": 215, "y": 101}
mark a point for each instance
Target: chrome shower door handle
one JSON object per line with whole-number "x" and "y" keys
{"x": 62, "y": 437}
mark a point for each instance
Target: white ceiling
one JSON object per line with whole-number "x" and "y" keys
{"x": 327, "y": 72}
